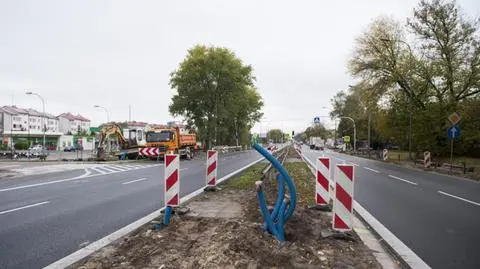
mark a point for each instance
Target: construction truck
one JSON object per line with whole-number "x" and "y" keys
{"x": 316, "y": 143}
{"x": 113, "y": 141}
{"x": 171, "y": 140}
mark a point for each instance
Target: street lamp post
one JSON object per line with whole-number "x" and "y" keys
{"x": 43, "y": 116}
{"x": 354, "y": 133}
{"x": 106, "y": 112}
{"x": 410, "y": 96}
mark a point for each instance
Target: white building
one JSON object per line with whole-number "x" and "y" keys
{"x": 28, "y": 125}
{"x": 70, "y": 124}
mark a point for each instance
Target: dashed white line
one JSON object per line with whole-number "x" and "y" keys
{"x": 181, "y": 169}
{"x": 133, "y": 181}
{"x": 370, "y": 169}
{"x": 23, "y": 207}
{"x": 404, "y": 180}
{"x": 459, "y": 198}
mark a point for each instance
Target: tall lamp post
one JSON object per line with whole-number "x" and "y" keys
{"x": 44, "y": 127}
{"x": 354, "y": 133}
{"x": 106, "y": 112}
{"x": 410, "y": 95}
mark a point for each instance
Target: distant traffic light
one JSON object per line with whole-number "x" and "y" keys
{"x": 293, "y": 133}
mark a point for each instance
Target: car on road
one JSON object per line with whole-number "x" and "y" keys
{"x": 69, "y": 149}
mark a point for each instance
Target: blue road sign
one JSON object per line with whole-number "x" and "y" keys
{"x": 316, "y": 120}
{"x": 453, "y": 132}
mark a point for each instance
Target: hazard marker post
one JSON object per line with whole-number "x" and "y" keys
{"x": 211, "y": 170}
{"x": 343, "y": 198}
{"x": 322, "y": 188}
{"x": 172, "y": 185}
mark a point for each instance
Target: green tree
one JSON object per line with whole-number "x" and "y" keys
{"x": 275, "y": 135}
{"x": 216, "y": 95}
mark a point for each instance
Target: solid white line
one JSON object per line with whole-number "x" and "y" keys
{"x": 136, "y": 180}
{"x": 396, "y": 244}
{"x": 404, "y": 180}
{"x": 459, "y": 198}
{"x": 23, "y": 207}
{"x": 354, "y": 164}
{"x": 93, "y": 247}
{"x": 388, "y": 237}
{"x": 87, "y": 174}
{"x": 181, "y": 169}
{"x": 9, "y": 166}
{"x": 373, "y": 170}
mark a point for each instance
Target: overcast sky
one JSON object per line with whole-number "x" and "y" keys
{"x": 120, "y": 53}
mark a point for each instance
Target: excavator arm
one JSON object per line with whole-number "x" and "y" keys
{"x": 105, "y": 133}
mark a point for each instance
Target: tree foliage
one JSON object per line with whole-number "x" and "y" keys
{"x": 216, "y": 95}
{"x": 429, "y": 79}
{"x": 275, "y": 135}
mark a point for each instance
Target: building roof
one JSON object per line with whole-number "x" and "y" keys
{"x": 30, "y": 111}
{"x": 137, "y": 123}
{"x": 70, "y": 116}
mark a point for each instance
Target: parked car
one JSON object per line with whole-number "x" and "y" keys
{"x": 69, "y": 149}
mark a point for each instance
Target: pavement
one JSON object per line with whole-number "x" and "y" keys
{"x": 45, "y": 217}
{"x": 436, "y": 216}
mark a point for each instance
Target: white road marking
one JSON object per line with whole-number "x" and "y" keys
{"x": 109, "y": 170}
{"x": 459, "y": 198}
{"x": 404, "y": 180}
{"x": 181, "y": 169}
{"x": 354, "y": 164}
{"x": 118, "y": 167}
{"x": 98, "y": 170}
{"x": 46, "y": 183}
{"x": 370, "y": 169}
{"x": 9, "y": 166}
{"x": 133, "y": 181}
{"x": 23, "y": 207}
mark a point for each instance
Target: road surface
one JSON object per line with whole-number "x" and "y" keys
{"x": 436, "y": 216}
{"x": 46, "y": 217}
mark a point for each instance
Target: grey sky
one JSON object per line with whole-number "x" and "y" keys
{"x": 115, "y": 53}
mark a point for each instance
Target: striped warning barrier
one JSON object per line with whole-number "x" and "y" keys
{"x": 343, "y": 199}
{"x": 323, "y": 181}
{"x": 151, "y": 152}
{"x": 212, "y": 160}
{"x": 385, "y": 154}
{"x": 427, "y": 160}
{"x": 172, "y": 180}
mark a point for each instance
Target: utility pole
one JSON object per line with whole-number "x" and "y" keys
{"x": 44, "y": 127}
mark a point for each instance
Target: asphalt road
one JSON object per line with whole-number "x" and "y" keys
{"x": 436, "y": 216}
{"x": 46, "y": 217}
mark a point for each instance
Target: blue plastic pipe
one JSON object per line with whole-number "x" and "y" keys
{"x": 166, "y": 217}
{"x": 278, "y": 203}
{"x": 263, "y": 208}
{"x": 283, "y": 172}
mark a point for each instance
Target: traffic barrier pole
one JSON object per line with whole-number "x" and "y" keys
{"x": 427, "y": 161}
{"x": 172, "y": 184}
{"x": 322, "y": 194}
{"x": 211, "y": 170}
{"x": 385, "y": 154}
{"x": 343, "y": 200}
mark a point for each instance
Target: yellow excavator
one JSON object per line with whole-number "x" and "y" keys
{"x": 127, "y": 147}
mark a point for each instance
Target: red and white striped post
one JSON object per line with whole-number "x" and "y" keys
{"x": 343, "y": 200}
{"x": 172, "y": 180}
{"x": 322, "y": 195}
{"x": 211, "y": 175}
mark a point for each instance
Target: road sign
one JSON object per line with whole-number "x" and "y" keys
{"x": 346, "y": 139}
{"x": 454, "y": 118}
{"x": 316, "y": 120}
{"x": 453, "y": 132}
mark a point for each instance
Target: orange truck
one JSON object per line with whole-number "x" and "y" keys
{"x": 171, "y": 140}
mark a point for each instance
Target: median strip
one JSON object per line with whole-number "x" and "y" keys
{"x": 23, "y": 207}
{"x": 459, "y": 198}
{"x": 404, "y": 180}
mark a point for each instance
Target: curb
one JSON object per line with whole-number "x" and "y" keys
{"x": 97, "y": 245}
{"x": 403, "y": 253}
